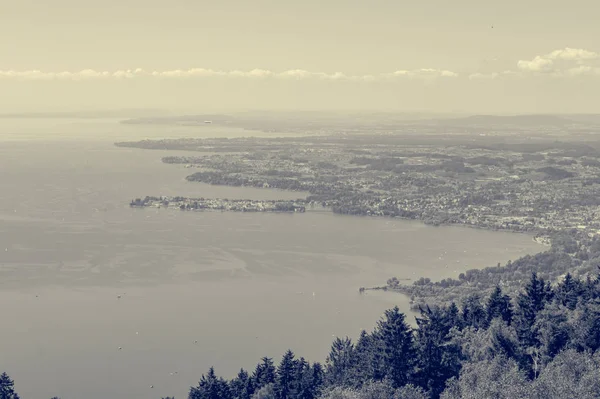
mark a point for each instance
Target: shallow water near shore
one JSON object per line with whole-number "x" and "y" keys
{"x": 82, "y": 273}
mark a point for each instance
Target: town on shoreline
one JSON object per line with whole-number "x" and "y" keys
{"x": 527, "y": 183}
{"x": 539, "y": 187}
{"x": 218, "y": 204}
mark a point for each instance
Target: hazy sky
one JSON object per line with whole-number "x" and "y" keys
{"x": 438, "y": 55}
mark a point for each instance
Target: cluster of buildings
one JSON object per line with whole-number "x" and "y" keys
{"x": 492, "y": 188}
{"x": 216, "y": 204}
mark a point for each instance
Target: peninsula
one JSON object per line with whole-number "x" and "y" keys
{"x": 519, "y": 182}
{"x": 217, "y": 204}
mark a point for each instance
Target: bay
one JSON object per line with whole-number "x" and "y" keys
{"x": 82, "y": 274}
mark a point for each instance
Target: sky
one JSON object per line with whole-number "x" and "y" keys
{"x": 441, "y": 56}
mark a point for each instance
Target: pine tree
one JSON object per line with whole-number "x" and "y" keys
{"x": 308, "y": 380}
{"x": 524, "y": 319}
{"x": 339, "y": 361}
{"x": 303, "y": 381}
{"x": 503, "y": 341}
{"x": 453, "y": 318}
{"x": 379, "y": 359}
{"x": 586, "y": 327}
{"x": 438, "y": 359}
{"x": 568, "y": 291}
{"x": 538, "y": 292}
{"x": 399, "y": 353}
{"x": 591, "y": 288}
{"x": 264, "y": 373}
{"x": 363, "y": 360}
{"x": 7, "y": 387}
{"x": 552, "y": 331}
{"x": 210, "y": 387}
{"x": 473, "y": 312}
{"x": 241, "y": 386}
{"x": 498, "y": 305}
{"x": 285, "y": 377}
{"x": 317, "y": 379}
{"x": 249, "y": 389}
{"x": 529, "y": 302}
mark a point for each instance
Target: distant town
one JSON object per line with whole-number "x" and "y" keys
{"x": 522, "y": 185}
{"x": 217, "y": 204}
{"x": 543, "y": 182}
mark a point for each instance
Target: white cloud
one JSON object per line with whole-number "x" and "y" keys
{"x": 338, "y": 76}
{"x": 495, "y": 75}
{"x": 124, "y": 74}
{"x": 255, "y": 73}
{"x": 449, "y": 74}
{"x": 90, "y": 73}
{"x": 573, "y": 54}
{"x": 559, "y": 62}
{"x": 583, "y": 70}
{"x": 477, "y": 75}
{"x": 538, "y": 64}
{"x": 423, "y": 73}
{"x": 297, "y": 74}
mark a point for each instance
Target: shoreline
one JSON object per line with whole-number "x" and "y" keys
{"x": 219, "y": 204}
{"x": 540, "y": 236}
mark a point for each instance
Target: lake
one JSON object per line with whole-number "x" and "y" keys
{"x": 82, "y": 274}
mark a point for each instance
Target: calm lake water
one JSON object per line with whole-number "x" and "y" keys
{"x": 197, "y": 289}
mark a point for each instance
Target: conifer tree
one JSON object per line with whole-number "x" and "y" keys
{"x": 303, "y": 380}
{"x": 591, "y": 288}
{"x": 317, "y": 379}
{"x": 363, "y": 360}
{"x": 552, "y": 331}
{"x": 529, "y": 302}
{"x": 586, "y": 327}
{"x": 438, "y": 359}
{"x": 473, "y": 312}
{"x": 498, "y": 305}
{"x": 538, "y": 292}
{"x": 568, "y": 291}
{"x": 397, "y": 341}
{"x": 286, "y": 376}
{"x": 241, "y": 386}
{"x": 264, "y": 373}
{"x": 503, "y": 341}
{"x": 453, "y": 318}
{"x": 339, "y": 361}
{"x": 7, "y": 387}
{"x": 210, "y": 387}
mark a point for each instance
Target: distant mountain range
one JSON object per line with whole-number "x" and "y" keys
{"x": 95, "y": 114}
{"x": 324, "y": 119}
{"x": 181, "y": 120}
{"x": 528, "y": 120}
{"x": 391, "y": 119}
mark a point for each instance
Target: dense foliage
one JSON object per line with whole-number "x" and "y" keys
{"x": 543, "y": 343}
{"x": 571, "y": 251}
